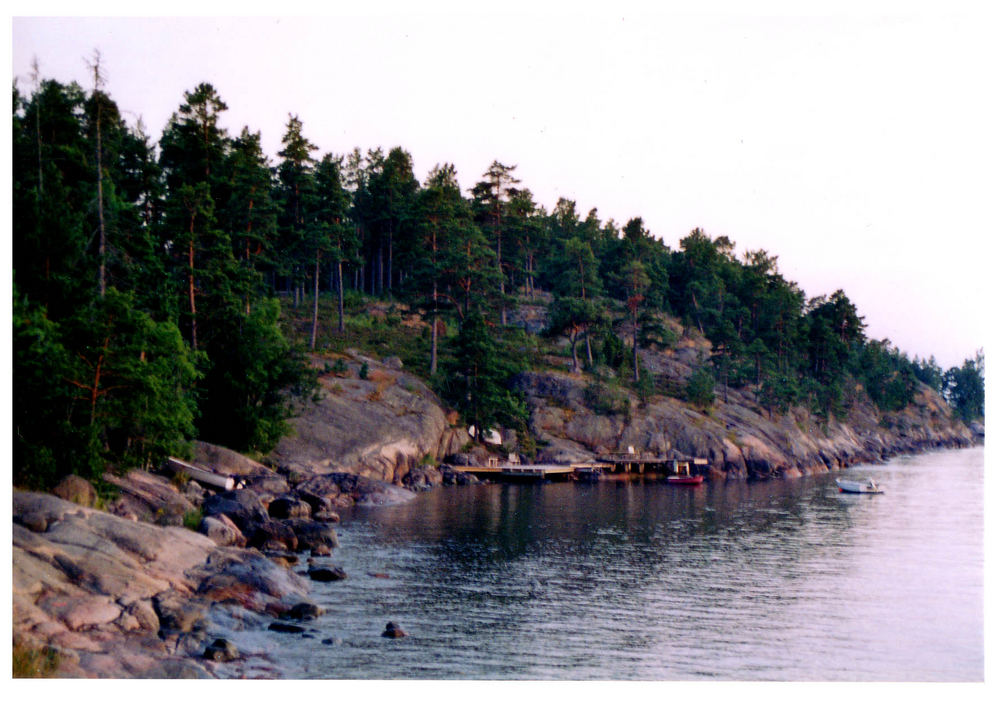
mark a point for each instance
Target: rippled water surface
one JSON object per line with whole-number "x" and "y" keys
{"x": 776, "y": 580}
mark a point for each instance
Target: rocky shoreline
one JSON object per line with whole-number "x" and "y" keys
{"x": 131, "y": 591}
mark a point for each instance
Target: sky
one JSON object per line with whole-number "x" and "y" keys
{"x": 856, "y": 142}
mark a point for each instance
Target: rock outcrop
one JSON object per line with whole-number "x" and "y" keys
{"x": 737, "y": 436}
{"x": 121, "y": 598}
{"x": 379, "y": 427}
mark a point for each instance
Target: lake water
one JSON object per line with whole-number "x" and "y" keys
{"x": 773, "y": 580}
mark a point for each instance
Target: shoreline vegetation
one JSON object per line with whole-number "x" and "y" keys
{"x": 353, "y": 336}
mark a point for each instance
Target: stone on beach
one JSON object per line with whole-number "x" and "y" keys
{"x": 327, "y": 574}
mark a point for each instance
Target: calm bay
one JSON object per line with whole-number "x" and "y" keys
{"x": 784, "y": 580}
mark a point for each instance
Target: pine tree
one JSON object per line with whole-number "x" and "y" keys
{"x": 491, "y": 197}
{"x": 336, "y": 237}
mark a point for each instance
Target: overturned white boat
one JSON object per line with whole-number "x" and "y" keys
{"x": 208, "y": 477}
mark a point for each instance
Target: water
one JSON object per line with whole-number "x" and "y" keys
{"x": 777, "y": 580}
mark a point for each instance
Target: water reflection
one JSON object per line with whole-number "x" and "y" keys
{"x": 773, "y": 580}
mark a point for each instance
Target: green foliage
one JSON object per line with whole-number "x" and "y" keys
{"x": 478, "y": 375}
{"x": 363, "y": 371}
{"x": 887, "y": 375}
{"x": 253, "y": 377}
{"x": 188, "y": 338}
{"x": 779, "y": 392}
{"x": 31, "y": 662}
{"x": 965, "y": 388}
{"x": 605, "y": 399}
{"x": 109, "y": 384}
{"x": 613, "y": 351}
{"x": 645, "y": 387}
{"x": 928, "y": 371}
{"x": 574, "y": 317}
{"x": 700, "y": 388}
{"x": 192, "y": 519}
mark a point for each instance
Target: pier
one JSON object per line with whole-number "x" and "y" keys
{"x": 632, "y": 463}
{"x": 612, "y": 465}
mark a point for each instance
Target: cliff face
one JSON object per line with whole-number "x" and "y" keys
{"x": 738, "y": 437}
{"x": 385, "y": 425}
{"x": 379, "y": 427}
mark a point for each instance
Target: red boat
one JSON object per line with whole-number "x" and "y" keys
{"x": 689, "y": 480}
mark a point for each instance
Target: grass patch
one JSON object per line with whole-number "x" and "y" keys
{"x": 192, "y": 519}
{"x": 30, "y": 662}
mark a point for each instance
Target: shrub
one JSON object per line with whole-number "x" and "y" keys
{"x": 700, "y": 388}
{"x": 192, "y": 519}
{"x": 605, "y": 400}
{"x": 30, "y": 662}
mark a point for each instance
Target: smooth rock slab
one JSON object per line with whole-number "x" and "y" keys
{"x": 90, "y": 612}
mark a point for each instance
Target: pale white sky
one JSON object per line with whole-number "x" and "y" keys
{"x": 855, "y": 141}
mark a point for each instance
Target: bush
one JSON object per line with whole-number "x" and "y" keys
{"x": 700, "y": 388}
{"x": 604, "y": 399}
{"x": 34, "y": 662}
{"x": 192, "y": 519}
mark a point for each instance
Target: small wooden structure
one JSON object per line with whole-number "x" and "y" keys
{"x": 632, "y": 462}
{"x": 611, "y": 465}
{"x": 517, "y": 471}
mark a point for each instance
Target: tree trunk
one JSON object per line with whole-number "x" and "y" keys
{"x": 194, "y": 312}
{"x": 95, "y": 389}
{"x": 340, "y": 297}
{"x": 315, "y": 324}
{"x": 102, "y": 247}
{"x": 434, "y": 335}
{"x": 389, "y": 259}
{"x": 635, "y": 348}
{"x": 590, "y": 353}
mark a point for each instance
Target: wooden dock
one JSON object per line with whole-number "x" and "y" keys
{"x": 606, "y": 466}
{"x": 632, "y": 463}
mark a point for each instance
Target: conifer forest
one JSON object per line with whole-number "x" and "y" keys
{"x": 172, "y": 288}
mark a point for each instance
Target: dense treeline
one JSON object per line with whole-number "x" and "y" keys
{"x": 146, "y": 280}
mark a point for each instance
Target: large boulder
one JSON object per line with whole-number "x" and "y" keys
{"x": 422, "y": 478}
{"x": 310, "y": 535}
{"x": 289, "y": 507}
{"x": 243, "y": 506}
{"x": 379, "y": 427}
{"x": 222, "y": 530}
{"x": 350, "y": 489}
{"x": 226, "y": 461}
{"x": 149, "y": 497}
{"x": 272, "y": 535}
{"x": 76, "y": 489}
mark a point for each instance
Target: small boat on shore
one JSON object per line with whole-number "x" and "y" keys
{"x": 210, "y": 478}
{"x": 848, "y": 486}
